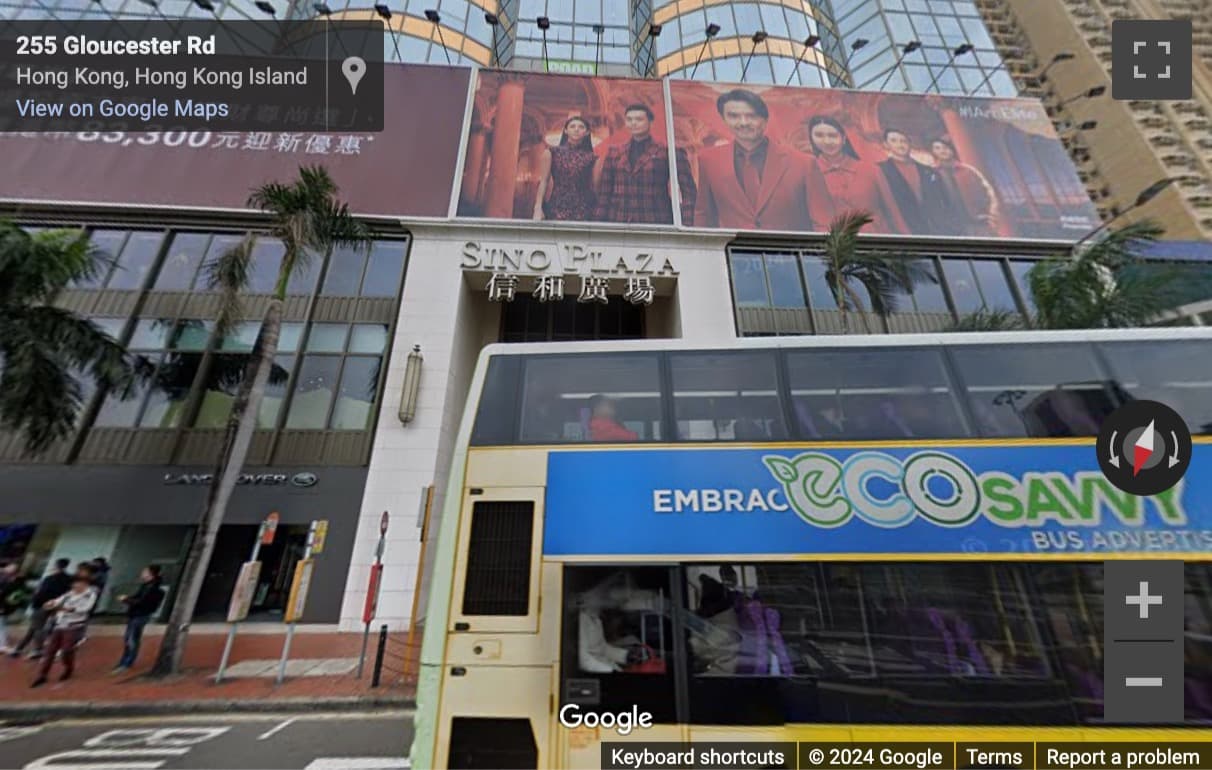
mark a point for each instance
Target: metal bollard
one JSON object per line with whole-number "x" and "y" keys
{"x": 378, "y": 672}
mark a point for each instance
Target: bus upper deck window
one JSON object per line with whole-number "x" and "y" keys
{"x": 596, "y": 398}
{"x": 1042, "y": 390}
{"x": 872, "y": 394}
{"x": 727, "y": 396}
{"x": 1178, "y": 374}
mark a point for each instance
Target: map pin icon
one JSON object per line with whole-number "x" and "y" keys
{"x": 353, "y": 68}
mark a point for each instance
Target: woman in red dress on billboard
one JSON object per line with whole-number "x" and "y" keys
{"x": 853, "y": 183}
{"x": 567, "y": 170}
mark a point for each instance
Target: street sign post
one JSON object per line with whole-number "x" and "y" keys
{"x": 298, "y": 594}
{"x": 246, "y": 588}
{"x": 321, "y": 536}
{"x": 269, "y": 529}
{"x": 372, "y": 590}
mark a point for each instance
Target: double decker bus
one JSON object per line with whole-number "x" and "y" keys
{"x": 809, "y": 538}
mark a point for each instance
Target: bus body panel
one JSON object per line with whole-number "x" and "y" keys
{"x": 517, "y": 671}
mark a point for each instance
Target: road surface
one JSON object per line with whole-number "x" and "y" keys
{"x": 315, "y": 741}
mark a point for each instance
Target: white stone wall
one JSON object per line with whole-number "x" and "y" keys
{"x": 445, "y": 310}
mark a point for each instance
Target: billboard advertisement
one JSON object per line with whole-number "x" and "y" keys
{"x": 376, "y": 172}
{"x": 977, "y": 499}
{"x": 789, "y": 159}
{"x": 569, "y": 148}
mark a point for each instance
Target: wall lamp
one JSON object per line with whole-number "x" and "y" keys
{"x": 412, "y": 385}
{"x": 1089, "y": 93}
{"x": 1057, "y": 59}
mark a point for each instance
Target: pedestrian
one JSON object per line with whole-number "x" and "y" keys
{"x": 140, "y": 606}
{"x": 100, "y": 578}
{"x": 70, "y": 619}
{"x": 87, "y": 570}
{"x": 13, "y": 597}
{"x": 54, "y": 585}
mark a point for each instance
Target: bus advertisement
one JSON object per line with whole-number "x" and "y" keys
{"x": 905, "y": 551}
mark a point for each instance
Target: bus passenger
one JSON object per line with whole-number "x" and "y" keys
{"x": 602, "y": 424}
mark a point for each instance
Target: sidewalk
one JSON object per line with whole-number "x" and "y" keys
{"x": 321, "y": 674}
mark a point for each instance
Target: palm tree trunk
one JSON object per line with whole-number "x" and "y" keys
{"x": 236, "y": 443}
{"x": 840, "y": 298}
{"x": 858, "y": 303}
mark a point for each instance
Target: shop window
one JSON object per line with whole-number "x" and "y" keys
{"x": 819, "y": 292}
{"x": 306, "y": 275}
{"x": 926, "y": 292}
{"x": 344, "y": 276}
{"x": 525, "y": 319}
{"x": 786, "y": 290}
{"x": 314, "y": 390}
{"x": 264, "y": 264}
{"x": 107, "y": 244}
{"x": 727, "y": 397}
{"x": 219, "y": 246}
{"x": 606, "y": 398}
{"x": 185, "y": 257}
{"x": 368, "y": 338}
{"x": 176, "y": 373}
{"x": 136, "y": 261}
{"x": 327, "y": 338}
{"x": 618, "y": 642}
{"x": 1035, "y": 390}
{"x": 383, "y": 268}
{"x": 222, "y": 384}
{"x": 1021, "y": 270}
{"x": 978, "y": 284}
{"x": 1177, "y": 374}
{"x": 174, "y": 351}
{"x": 872, "y": 394}
{"x": 357, "y": 394}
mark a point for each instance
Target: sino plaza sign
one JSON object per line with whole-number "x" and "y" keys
{"x": 552, "y": 265}
{"x": 970, "y": 499}
{"x": 570, "y": 258}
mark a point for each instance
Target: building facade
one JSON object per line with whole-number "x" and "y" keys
{"x": 854, "y": 43}
{"x": 1135, "y": 143}
{"x": 510, "y": 237}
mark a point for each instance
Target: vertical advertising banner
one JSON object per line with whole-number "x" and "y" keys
{"x": 790, "y": 159}
{"x": 570, "y": 148}
{"x": 406, "y": 170}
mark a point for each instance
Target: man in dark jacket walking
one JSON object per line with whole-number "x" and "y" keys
{"x": 140, "y": 606}
{"x": 54, "y": 585}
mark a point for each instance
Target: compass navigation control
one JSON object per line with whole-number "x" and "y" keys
{"x": 1144, "y": 448}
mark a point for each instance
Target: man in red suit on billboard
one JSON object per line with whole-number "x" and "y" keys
{"x": 753, "y": 183}
{"x": 633, "y": 178}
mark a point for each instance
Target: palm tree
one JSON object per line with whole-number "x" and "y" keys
{"x": 848, "y": 267}
{"x": 46, "y": 350}
{"x": 306, "y": 216}
{"x": 1104, "y": 285}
